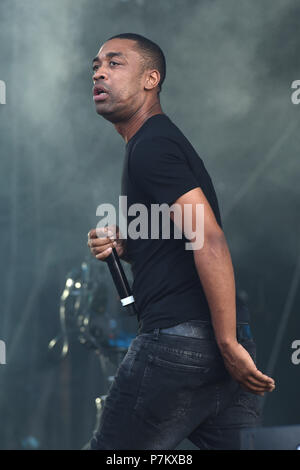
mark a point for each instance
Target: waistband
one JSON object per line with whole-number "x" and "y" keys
{"x": 202, "y": 330}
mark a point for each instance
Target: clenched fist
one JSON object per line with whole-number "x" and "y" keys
{"x": 102, "y": 240}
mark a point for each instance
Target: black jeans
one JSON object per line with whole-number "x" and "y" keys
{"x": 170, "y": 387}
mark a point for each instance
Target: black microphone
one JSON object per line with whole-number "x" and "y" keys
{"x": 121, "y": 282}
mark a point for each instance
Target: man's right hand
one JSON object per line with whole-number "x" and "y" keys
{"x": 242, "y": 368}
{"x": 102, "y": 240}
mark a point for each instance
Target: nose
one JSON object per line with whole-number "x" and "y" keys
{"x": 99, "y": 74}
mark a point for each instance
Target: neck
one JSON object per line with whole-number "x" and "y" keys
{"x": 128, "y": 128}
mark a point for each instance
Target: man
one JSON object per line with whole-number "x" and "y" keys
{"x": 190, "y": 372}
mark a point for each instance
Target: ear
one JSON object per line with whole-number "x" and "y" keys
{"x": 152, "y": 79}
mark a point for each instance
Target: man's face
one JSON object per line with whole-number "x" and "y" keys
{"x": 118, "y": 69}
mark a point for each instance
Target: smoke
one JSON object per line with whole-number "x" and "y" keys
{"x": 230, "y": 66}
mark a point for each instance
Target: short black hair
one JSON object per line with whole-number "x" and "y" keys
{"x": 152, "y": 55}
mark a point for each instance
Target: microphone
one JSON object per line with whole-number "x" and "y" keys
{"x": 121, "y": 282}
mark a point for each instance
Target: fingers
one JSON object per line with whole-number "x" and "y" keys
{"x": 249, "y": 381}
{"x": 101, "y": 245}
{"x": 97, "y": 242}
{"x": 100, "y": 232}
{"x": 243, "y": 369}
{"x": 250, "y": 387}
{"x": 256, "y": 379}
{"x": 100, "y": 236}
{"x": 92, "y": 233}
{"x": 258, "y": 386}
{"x": 262, "y": 378}
{"x": 104, "y": 254}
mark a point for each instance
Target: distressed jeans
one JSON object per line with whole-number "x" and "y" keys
{"x": 169, "y": 388}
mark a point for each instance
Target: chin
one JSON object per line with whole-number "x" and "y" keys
{"x": 101, "y": 110}
{"x": 108, "y": 114}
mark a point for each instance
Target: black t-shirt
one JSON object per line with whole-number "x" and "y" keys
{"x": 160, "y": 166}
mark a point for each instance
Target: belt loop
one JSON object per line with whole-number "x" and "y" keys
{"x": 156, "y": 333}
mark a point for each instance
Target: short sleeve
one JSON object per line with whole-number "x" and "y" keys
{"x": 160, "y": 170}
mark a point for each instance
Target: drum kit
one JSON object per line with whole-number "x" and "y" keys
{"x": 90, "y": 311}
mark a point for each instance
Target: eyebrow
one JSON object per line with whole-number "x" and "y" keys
{"x": 109, "y": 55}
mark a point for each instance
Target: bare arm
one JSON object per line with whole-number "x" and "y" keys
{"x": 214, "y": 266}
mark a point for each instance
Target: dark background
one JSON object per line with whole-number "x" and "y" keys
{"x": 230, "y": 65}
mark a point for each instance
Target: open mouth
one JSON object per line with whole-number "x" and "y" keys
{"x": 100, "y": 94}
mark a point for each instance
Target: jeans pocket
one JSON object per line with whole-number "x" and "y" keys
{"x": 167, "y": 389}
